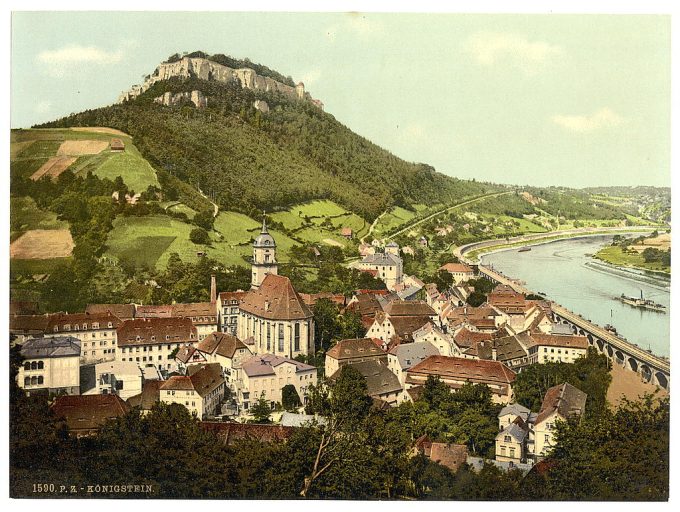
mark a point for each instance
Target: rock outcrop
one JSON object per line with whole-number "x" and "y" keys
{"x": 196, "y": 97}
{"x": 261, "y": 105}
{"x": 205, "y": 69}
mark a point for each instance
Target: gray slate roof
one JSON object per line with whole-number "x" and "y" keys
{"x": 410, "y": 354}
{"x": 59, "y": 346}
{"x": 516, "y": 409}
{"x": 379, "y": 379}
{"x": 515, "y": 431}
{"x": 264, "y": 364}
{"x": 380, "y": 258}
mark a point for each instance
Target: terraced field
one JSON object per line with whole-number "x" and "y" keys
{"x": 31, "y": 149}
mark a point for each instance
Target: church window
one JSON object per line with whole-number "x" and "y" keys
{"x": 269, "y": 337}
{"x": 297, "y": 337}
{"x": 280, "y": 337}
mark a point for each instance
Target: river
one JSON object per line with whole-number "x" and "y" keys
{"x": 566, "y": 273}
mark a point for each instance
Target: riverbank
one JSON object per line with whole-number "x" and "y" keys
{"x": 629, "y": 385}
{"x": 472, "y": 252}
{"x": 614, "y": 255}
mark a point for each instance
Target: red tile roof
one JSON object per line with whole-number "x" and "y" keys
{"x": 353, "y": 348}
{"x": 552, "y": 340}
{"x": 67, "y": 322}
{"x": 408, "y": 308}
{"x": 146, "y": 331}
{"x": 221, "y": 343}
{"x": 203, "y": 379}
{"x": 88, "y": 412}
{"x": 458, "y": 368}
{"x": 275, "y": 299}
{"x": 456, "y": 267}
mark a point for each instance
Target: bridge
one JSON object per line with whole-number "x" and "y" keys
{"x": 651, "y": 368}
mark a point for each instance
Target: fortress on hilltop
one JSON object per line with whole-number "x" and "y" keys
{"x": 206, "y": 69}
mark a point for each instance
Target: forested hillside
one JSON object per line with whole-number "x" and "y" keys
{"x": 251, "y": 161}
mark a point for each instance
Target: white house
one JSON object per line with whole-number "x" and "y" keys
{"x": 403, "y": 357}
{"x": 51, "y": 365}
{"x": 460, "y": 272}
{"x": 116, "y": 378}
{"x": 387, "y": 265}
{"x": 560, "y": 403}
{"x": 267, "y": 374}
{"x": 96, "y": 332}
{"x": 554, "y": 348}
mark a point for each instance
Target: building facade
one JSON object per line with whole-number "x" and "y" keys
{"x": 96, "y": 332}
{"x": 50, "y": 365}
{"x": 264, "y": 257}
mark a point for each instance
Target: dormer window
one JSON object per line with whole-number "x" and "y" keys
{"x": 153, "y": 338}
{"x": 167, "y": 336}
{"x": 84, "y": 327}
{"x": 110, "y": 325}
{"x": 138, "y": 338}
{"x": 95, "y": 325}
{"x": 75, "y": 328}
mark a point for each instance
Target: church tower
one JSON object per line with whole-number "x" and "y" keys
{"x": 264, "y": 256}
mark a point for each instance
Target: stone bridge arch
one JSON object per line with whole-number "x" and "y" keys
{"x": 645, "y": 372}
{"x": 600, "y": 344}
{"x": 619, "y": 357}
{"x": 633, "y": 364}
{"x": 661, "y": 380}
{"x": 591, "y": 341}
{"x": 610, "y": 351}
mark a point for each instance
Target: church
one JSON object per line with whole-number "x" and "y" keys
{"x": 273, "y": 318}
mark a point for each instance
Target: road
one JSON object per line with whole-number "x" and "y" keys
{"x": 448, "y": 209}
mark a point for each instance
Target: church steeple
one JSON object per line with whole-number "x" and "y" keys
{"x": 264, "y": 223}
{"x": 264, "y": 255}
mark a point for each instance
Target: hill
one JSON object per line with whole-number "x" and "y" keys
{"x": 250, "y": 160}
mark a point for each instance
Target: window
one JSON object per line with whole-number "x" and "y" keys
{"x": 280, "y": 337}
{"x": 546, "y": 438}
{"x": 34, "y": 365}
{"x": 27, "y": 381}
{"x": 268, "y": 336}
{"x": 512, "y": 452}
{"x": 27, "y": 366}
{"x": 297, "y": 337}
{"x": 507, "y": 439}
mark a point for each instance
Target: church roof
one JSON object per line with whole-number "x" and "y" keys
{"x": 275, "y": 299}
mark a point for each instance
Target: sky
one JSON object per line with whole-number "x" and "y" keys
{"x": 572, "y": 100}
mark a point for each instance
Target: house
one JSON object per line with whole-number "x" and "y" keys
{"x": 422, "y": 241}
{"x": 442, "y": 341}
{"x": 403, "y": 357}
{"x": 84, "y": 415}
{"x": 513, "y": 351}
{"x": 228, "y": 351}
{"x": 50, "y": 365}
{"x": 399, "y": 319}
{"x": 114, "y": 378}
{"x": 277, "y": 319}
{"x": 450, "y": 455}
{"x": 203, "y": 315}
{"x": 556, "y": 348}
{"x": 381, "y": 383}
{"x": 407, "y": 249}
{"x": 201, "y": 391}
{"x": 228, "y": 310}
{"x": 460, "y": 272}
{"x": 561, "y": 402}
{"x": 96, "y": 332}
{"x": 346, "y": 233}
{"x": 511, "y": 442}
{"x": 468, "y": 340}
{"x": 352, "y": 351}
{"x": 267, "y": 374}
{"x": 457, "y": 371}
{"x": 511, "y": 411}
{"x": 387, "y": 265}
{"x": 116, "y": 145}
{"x": 312, "y": 298}
{"x": 154, "y": 341}
{"x": 150, "y": 396}
{"x": 24, "y": 327}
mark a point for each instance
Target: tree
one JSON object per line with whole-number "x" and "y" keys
{"x": 204, "y": 219}
{"x": 199, "y": 236}
{"x": 261, "y": 410}
{"x": 290, "y": 400}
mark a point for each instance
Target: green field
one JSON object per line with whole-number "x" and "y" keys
{"x": 614, "y": 255}
{"x": 31, "y": 157}
{"x": 393, "y": 218}
{"x": 26, "y": 215}
{"x": 151, "y": 240}
{"x": 35, "y": 267}
{"x": 136, "y": 172}
{"x": 501, "y": 226}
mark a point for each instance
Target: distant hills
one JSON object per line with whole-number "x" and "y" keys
{"x": 249, "y": 159}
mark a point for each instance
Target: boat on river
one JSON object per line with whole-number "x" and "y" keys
{"x": 524, "y": 249}
{"x": 642, "y": 303}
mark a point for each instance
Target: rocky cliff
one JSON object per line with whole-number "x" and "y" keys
{"x": 205, "y": 69}
{"x": 196, "y": 97}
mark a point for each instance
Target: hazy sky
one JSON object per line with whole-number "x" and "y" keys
{"x": 577, "y": 100}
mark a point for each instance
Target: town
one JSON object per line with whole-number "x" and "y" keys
{"x": 246, "y": 350}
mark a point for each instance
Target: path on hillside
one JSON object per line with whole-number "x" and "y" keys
{"x": 447, "y": 209}
{"x": 216, "y": 208}
{"x": 372, "y": 226}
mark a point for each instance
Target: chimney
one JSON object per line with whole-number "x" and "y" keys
{"x": 494, "y": 354}
{"x": 213, "y": 289}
